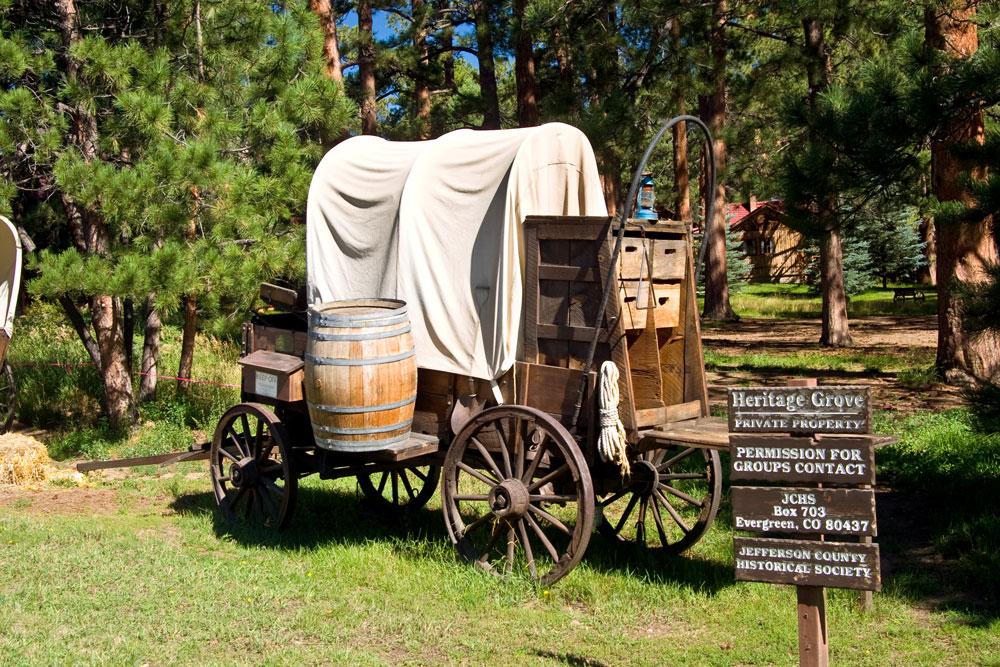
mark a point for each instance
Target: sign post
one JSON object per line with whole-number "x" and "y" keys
{"x": 817, "y": 438}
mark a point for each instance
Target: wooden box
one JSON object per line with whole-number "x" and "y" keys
{"x": 284, "y": 341}
{"x": 665, "y": 259}
{"x": 635, "y": 302}
{"x": 273, "y": 375}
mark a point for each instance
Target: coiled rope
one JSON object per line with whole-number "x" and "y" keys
{"x": 611, "y": 441}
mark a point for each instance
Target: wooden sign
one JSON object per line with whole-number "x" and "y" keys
{"x": 830, "y": 409}
{"x": 804, "y": 510}
{"x": 808, "y": 563}
{"x": 792, "y": 459}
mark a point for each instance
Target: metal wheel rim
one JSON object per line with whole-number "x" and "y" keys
{"x": 266, "y": 503}
{"x": 555, "y": 476}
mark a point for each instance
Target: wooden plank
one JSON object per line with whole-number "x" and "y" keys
{"x": 200, "y": 454}
{"x": 581, "y": 231}
{"x": 671, "y": 364}
{"x": 814, "y": 511}
{"x": 551, "y": 389}
{"x": 618, "y": 347}
{"x": 532, "y": 258}
{"x": 667, "y": 414}
{"x": 695, "y": 385}
{"x": 635, "y": 300}
{"x": 792, "y": 459}
{"x": 833, "y": 409}
{"x": 571, "y": 273}
{"x": 704, "y": 432}
{"x": 568, "y": 333}
{"x": 814, "y": 643}
{"x": 808, "y": 563}
{"x": 282, "y": 297}
{"x": 661, "y": 259}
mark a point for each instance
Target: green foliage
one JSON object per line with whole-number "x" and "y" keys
{"x": 738, "y": 267}
{"x": 200, "y": 179}
{"x": 858, "y": 270}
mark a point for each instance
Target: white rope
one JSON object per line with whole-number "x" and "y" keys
{"x": 611, "y": 442}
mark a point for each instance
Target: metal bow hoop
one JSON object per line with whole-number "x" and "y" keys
{"x": 628, "y": 207}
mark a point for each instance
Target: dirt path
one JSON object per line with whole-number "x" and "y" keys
{"x": 911, "y": 338}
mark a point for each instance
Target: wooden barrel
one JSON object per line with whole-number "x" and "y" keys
{"x": 361, "y": 374}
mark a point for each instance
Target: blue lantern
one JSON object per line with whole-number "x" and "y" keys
{"x": 647, "y": 199}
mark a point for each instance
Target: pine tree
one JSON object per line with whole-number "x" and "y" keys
{"x": 159, "y": 166}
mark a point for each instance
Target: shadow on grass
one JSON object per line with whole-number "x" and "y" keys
{"x": 325, "y": 516}
{"x": 321, "y": 516}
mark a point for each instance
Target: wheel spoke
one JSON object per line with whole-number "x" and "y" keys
{"x": 620, "y": 494}
{"x": 477, "y": 474}
{"x": 533, "y": 466}
{"x": 506, "y": 444}
{"x": 395, "y": 488}
{"x": 472, "y": 496}
{"x": 232, "y": 500}
{"x": 382, "y": 481}
{"x": 406, "y": 484}
{"x": 683, "y": 496}
{"x": 258, "y": 440}
{"x": 271, "y": 486}
{"x": 543, "y": 538}
{"x": 520, "y": 447}
{"x": 628, "y": 510}
{"x": 666, "y": 465}
{"x": 494, "y": 538}
{"x": 550, "y": 519}
{"x": 487, "y": 457}
{"x": 659, "y": 522}
{"x": 245, "y": 421}
{"x": 269, "y": 501}
{"x": 640, "y": 521}
{"x": 683, "y": 475}
{"x": 267, "y": 470}
{"x": 558, "y": 472}
{"x": 511, "y": 543}
{"x": 672, "y": 512}
{"x": 477, "y": 523}
{"x": 421, "y": 476}
{"x": 236, "y": 441}
{"x": 526, "y": 543}
{"x": 225, "y": 452}
{"x": 551, "y": 498}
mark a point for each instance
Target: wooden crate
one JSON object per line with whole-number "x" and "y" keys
{"x": 273, "y": 375}
{"x": 661, "y": 259}
{"x": 635, "y": 303}
{"x": 284, "y": 341}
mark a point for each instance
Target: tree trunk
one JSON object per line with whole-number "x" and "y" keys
{"x": 150, "y": 352}
{"x": 447, "y": 41}
{"x": 487, "y": 68}
{"x": 524, "y": 70}
{"x": 331, "y": 46}
{"x": 682, "y": 174}
{"x": 82, "y": 331}
{"x": 190, "y": 307}
{"x": 716, "y": 281}
{"x": 835, "y": 330}
{"x": 91, "y": 234}
{"x": 366, "y": 63}
{"x": 421, "y": 82}
{"x": 199, "y": 41}
{"x": 964, "y": 250}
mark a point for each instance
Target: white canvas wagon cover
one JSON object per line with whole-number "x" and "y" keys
{"x": 438, "y": 225}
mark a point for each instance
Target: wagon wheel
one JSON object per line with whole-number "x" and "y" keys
{"x": 404, "y": 489}
{"x": 517, "y": 491}
{"x": 669, "y": 501}
{"x": 8, "y": 396}
{"x": 252, "y": 473}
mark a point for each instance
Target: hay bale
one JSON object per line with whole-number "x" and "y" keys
{"x": 23, "y": 460}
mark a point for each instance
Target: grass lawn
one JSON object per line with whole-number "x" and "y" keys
{"x": 158, "y": 580}
{"x": 762, "y": 300}
{"x": 140, "y": 568}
